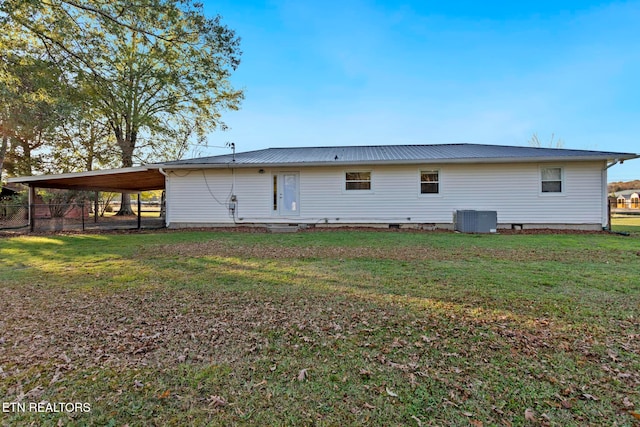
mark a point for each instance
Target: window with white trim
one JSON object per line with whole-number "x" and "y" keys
{"x": 358, "y": 180}
{"x": 551, "y": 180}
{"x": 429, "y": 182}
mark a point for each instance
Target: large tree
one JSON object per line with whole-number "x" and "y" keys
{"x": 157, "y": 71}
{"x": 32, "y": 102}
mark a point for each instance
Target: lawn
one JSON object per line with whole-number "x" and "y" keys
{"x": 626, "y": 223}
{"x": 321, "y": 328}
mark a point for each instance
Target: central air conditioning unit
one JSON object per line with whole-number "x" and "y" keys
{"x": 470, "y": 221}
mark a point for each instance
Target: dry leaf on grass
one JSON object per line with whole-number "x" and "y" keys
{"x": 587, "y": 396}
{"x": 164, "y": 395}
{"x": 391, "y": 393}
{"x": 627, "y": 403}
{"x": 303, "y": 375}
{"x": 217, "y": 401}
{"x": 529, "y": 415}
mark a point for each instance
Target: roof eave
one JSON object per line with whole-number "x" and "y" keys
{"x": 36, "y": 178}
{"x": 233, "y": 165}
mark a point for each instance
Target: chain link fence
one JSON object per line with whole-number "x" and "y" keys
{"x": 13, "y": 216}
{"x": 77, "y": 216}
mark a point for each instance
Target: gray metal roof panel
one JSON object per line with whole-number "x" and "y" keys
{"x": 397, "y": 154}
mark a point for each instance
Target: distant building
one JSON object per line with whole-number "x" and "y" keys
{"x": 628, "y": 199}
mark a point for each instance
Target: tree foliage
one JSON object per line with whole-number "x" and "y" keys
{"x": 624, "y": 185}
{"x": 552, "y": 143}
{"x": 148, "y": 77}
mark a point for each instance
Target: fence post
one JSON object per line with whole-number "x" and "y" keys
{"x": 32, "y": 208}
{"x": 139, "y": 213}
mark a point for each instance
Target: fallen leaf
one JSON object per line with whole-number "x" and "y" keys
{"x": 216, "y": 401}
{"x": 391, "y": 393}
{"x": 413, "y": 417}
{"x": 567, "y": 391}
{"x": 635, "y": 415}
{"x": 587, "y": 396}
{"x": 302, "y": 375}
{"x": 368, "y": 406}
{"x": 529, "y": 415}
{"x": 627, "y": 403}
{"x": 138, "y": 384}
{"x": 164, "y": 395}
{"x": 476, "y": 423}
{"x": 566, "y": 404}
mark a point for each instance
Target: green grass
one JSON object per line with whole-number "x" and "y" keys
{"x": 322, "y": 328}
{"x": 626, "y": 223}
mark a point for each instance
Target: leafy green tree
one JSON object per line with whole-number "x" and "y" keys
{"x": 31, "y": 102}
{"x": 157, "y": 71}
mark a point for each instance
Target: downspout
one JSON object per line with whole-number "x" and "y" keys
{"x": 166, "y": 211}
{"x": 605, "y": 192}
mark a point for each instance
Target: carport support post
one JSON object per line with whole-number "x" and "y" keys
{"x": 139, "y": 213}
{"x": 32, "y": 208}
{"x": 95, "y": 208}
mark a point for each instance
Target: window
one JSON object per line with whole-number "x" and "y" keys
{"x": 551, "y": 180}
{"x": 358, "y": 181}
{"x": 622, "y": 202}
{"x": 275, "y": 193}
{"x": 429, "y": 182}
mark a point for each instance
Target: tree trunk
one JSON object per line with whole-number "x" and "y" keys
{"x": 125, "y": 205}
{"x": 127, "y": 161}
{"x": 3, "y": 151}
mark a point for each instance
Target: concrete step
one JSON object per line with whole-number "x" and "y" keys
{"x": 282, "y": 228}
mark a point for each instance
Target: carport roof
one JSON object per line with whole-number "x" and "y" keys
{"x": 124, "y": 180}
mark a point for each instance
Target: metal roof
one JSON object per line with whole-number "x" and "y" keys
{"x": 150, "y": 177}
{"x": 395, "y": 154}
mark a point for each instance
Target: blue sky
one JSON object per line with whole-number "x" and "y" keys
{"x": 425, "y": 72}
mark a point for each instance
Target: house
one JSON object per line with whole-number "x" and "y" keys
{"x": 628, "y": 199}
{"x": 418, "y": 186}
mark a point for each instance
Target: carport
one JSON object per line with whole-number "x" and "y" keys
{"x": 123, "y": 180}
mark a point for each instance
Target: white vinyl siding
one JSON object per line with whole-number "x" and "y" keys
{"x": 513, "y": 190}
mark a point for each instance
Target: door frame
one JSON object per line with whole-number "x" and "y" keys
{"x": 278, "y": 196}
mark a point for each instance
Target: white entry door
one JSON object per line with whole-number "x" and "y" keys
{"x": 286, "y": 193}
